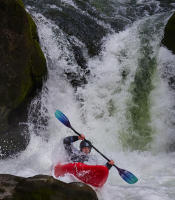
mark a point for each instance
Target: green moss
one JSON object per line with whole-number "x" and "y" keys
{"x": 36, "y": 69}
{"x": 32, "y": 28}
{"x": 20, "y": 3}
{"x": 39, "y": 62}
{"x": 22, "y": 74}
{"x": 21, "y": 53}
{"x": 26, "y": 86}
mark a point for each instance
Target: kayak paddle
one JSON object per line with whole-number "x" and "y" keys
{"x": 126, "y": 175}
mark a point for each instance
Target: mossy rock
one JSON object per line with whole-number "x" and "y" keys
{"x": 22, "y": 67}
{"x": 42, "y": 187}
{"x": 169, "y": 34}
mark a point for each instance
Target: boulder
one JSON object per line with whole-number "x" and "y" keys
{"x": 22, "y": 70}
{"x": 169, "y": 34}
{"x": 42, "y": 187}
{"x": 169, "y": 41}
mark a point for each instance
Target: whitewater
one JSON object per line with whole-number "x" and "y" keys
{"x": 101, "y": 109}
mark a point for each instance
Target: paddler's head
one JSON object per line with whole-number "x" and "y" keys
{"x": 85, "y": 147}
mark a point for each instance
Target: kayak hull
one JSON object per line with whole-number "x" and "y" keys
{"x": 95, "y": 175}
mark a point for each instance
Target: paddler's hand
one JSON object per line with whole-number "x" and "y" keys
{"x": 111, "y": 162}
{"x": 81, "y": 137}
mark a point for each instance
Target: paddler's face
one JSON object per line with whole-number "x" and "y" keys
{"x": 86, "y": 150}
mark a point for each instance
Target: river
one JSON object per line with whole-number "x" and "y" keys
{"x": 113, "y": 85}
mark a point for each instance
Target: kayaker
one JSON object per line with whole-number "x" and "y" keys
{"x": 81, "y": 155}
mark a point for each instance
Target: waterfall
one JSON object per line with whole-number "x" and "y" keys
{"x": 112, "y": 83}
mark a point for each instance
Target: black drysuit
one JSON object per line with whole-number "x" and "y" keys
{"x": 74, "y": 154}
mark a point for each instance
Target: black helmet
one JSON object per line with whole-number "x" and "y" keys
{"x": 84, "y": 143}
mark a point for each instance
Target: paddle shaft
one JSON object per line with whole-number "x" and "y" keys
{"x": 126, "y": 175}
{"x": 94, "y": 148}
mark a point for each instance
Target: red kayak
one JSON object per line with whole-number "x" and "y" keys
{"x": 95, "y": 175}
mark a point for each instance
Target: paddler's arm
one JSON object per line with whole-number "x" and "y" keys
{"x": 69, "y": 140}
{"x": 109, "y": 164}
{"x": 67, "y": 143}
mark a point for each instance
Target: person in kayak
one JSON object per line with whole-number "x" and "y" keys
{"x": 81, "y": 155}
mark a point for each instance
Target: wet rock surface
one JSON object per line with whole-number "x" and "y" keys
{"x": 79, "y": 22}
{"x": 169, "y": 71}
{"x": 22, "y": 70}
{"x": 42, "y": 187}
{"x": 90, "y": 22}
{"x": 169, "y": 42}
{"x": 169, "y": 33}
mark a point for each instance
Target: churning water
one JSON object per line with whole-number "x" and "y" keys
{"x": 125, "y": 106}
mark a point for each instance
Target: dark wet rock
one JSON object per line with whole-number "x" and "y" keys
{"x": 172, "y": 82}
{"x": 167, "y": 5}
{"x": 81, "y": 23}
{"x": 22, "y": 69}
{"x": 169, "y": 74}
{"x": 79, "y": 57}
{"x": 86, "y": 30}
{"x": 78, "y": 78}
{"x": 42, "y": 187}
{"x": 81, "y": 26}
{"x": 75, "y": 79}
{"x": 169, "y": 42}
{"x": 104, "y": 12}
{"x": 169, "y": 34}
{"x": 89, "y": 21}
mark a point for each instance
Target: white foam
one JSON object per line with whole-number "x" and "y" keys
{"x": 100, "y": 116}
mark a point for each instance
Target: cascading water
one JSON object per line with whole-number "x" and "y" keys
{"x": 118, "y": 96}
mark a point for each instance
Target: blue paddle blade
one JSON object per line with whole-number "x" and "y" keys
{"x": 62, "y": 118}
{"x": 128, "y": 176}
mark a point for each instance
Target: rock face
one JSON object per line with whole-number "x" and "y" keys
{"x": 22, "y": 69}
{"x": 75, "y": 24}
{"x": 42, "y": 187}
{"x": 169, "y": 42}
{"x": 169, "y": 34}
